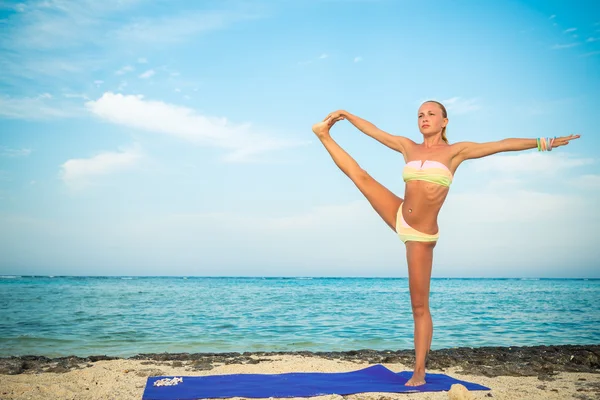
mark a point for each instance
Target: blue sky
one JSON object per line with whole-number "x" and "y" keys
{"x": 173, "y": 137}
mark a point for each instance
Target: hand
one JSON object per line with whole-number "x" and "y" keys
{"x": 564, "y": 140}
{"x": 335, "y": 117}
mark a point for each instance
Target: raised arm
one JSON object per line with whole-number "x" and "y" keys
{"x": 471, "y": 150}
{"x": 398, "y": 143}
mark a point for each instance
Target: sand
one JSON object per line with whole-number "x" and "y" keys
{"x": 125, "y": 379}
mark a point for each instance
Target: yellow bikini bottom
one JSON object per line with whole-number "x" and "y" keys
{"x": 406, "y": 232}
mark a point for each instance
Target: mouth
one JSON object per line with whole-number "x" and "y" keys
{"x": 425, "y": 126}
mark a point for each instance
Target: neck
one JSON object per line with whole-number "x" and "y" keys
{"x": 431, "y": 141}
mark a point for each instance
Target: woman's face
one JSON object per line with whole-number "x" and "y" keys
{"x": 430, "y": 118}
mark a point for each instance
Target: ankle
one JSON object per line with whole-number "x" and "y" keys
{"x": 324, "y": 136}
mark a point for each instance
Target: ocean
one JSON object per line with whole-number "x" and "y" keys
{"x": 124, "y": 316}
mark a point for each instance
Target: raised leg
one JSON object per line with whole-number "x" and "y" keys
{"x": 420, "y": 260}
{"x": 385, "y": 203}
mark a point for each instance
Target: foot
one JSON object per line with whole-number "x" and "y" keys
{"x": 417, "y": 379}
{"x": 321, "y": 129}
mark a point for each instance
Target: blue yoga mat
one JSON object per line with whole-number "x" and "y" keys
{"x": 376, "y": 378}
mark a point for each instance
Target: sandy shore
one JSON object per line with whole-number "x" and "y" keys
{"x": 126, "y": 378}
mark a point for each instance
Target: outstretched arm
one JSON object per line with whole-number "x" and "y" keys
{"x": 471, "y": 150}
{"x": 398, "y": 143}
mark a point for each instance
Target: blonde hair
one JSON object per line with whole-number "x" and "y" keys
{"x": 444, "y": 114}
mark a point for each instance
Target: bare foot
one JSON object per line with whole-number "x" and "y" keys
{"x": 321, "y": 129}
{"x": 417, "y": 379}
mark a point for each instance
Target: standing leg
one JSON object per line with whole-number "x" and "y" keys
{"x": 420, "y": 260}
{"x": 385, "y": 203}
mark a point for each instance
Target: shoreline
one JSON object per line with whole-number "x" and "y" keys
{"x": 101, "y": 378}
{"x": 541, "y": 361}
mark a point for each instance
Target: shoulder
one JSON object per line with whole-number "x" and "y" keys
{"x": 406, "y": 141}
{"x": 460, "y": 146}
{"x": 457, "y": 153}
{"x": 403, "y": 144}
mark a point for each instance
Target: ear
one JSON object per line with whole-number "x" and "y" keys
{"x": 445, "y": 122}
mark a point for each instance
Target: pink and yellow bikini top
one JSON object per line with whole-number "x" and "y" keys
{"x": 430, "y": 171}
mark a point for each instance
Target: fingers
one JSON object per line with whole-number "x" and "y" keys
{"x": 564, "y": 140}
{"x": 330, "y": 115}
{"x": 334, "y": 115}
{"x": 332, "y": 119}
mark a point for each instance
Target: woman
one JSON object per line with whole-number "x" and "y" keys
{"x": 429, "y": 170}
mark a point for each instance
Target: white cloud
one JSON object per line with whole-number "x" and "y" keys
{"x": 570, "y": 30}
{"x": 76, "y": 96}
{"x": 142, "y": 60}
{"x": 80, "y": 172}
{"x": 155, "y": 116}
{"x": 495, "y": 206}
{"x": 552, "y": 16}
{"x": 171, "y": 29}
{"x": 589, "y": 181}
{"x": 38, "y": 68}
{"x": 458, "y": 105}
{"x": 564, "y": 46}
{"x": 8, "y": 152}
{"x": 358, "y": 59}
{"x": 124, "y": 70}
{"x": 535, "y": 163}
{"x": 544, "y": 107}
{"x": 40, "y": 107}
{"x": 592, "y": 39}
{"x": 147, "y": 74}
{"x": 27, "y": 41}
{"x": 591, "y": 53}
{"x": 50, "y": 23}
{"x": 494, "y": 233}
{"x": 323, "y": 56}
{"x": 519, "y": 231}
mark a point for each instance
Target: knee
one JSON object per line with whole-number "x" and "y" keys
{"x": 420, "y": 309}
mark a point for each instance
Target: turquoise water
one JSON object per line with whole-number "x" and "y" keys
{"x": 121, "y": 316}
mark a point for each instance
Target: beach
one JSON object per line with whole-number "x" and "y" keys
{"x": 538, "y": 372}
{"x": 524, "y": 339}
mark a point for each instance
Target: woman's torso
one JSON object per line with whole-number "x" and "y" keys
{"x": 423, "y": 200}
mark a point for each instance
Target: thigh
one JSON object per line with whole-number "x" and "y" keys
{"x": 383, "y": 201}
{"x": 420, "y": 261}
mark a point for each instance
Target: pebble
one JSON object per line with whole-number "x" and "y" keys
{"x": 459, "y": 392}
